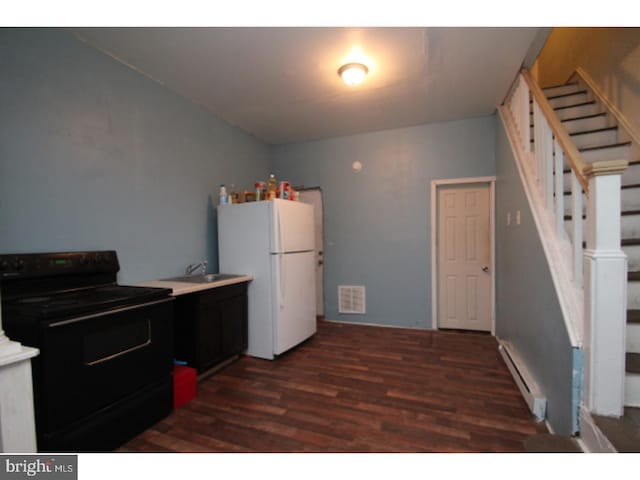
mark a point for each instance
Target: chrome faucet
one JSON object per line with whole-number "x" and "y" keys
{"x": 195, "y": 266}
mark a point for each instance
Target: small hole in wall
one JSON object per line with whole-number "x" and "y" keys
{"x": 356, "y": 166}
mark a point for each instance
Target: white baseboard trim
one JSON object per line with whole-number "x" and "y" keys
{"x": 532, "y": 395}
{"x": 366, "y": 324}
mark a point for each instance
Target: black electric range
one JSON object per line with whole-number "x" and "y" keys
{"x": 106, "y": 350}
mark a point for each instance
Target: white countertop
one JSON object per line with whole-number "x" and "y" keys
{"x": 182, "y": 288}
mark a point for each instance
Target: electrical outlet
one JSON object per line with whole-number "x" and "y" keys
{"x": 508, "y": 218}
{"x": 518, "y": 217}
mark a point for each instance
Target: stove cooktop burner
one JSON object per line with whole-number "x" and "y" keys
{"x": 86, "y": 300}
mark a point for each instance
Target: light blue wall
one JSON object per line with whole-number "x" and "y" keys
{"x": 94, "y": 155}
{"x": 377, "y": 222}
{"x": 527, "y": 310}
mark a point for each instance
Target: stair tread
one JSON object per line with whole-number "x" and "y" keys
{"x": 601, "y": 147}
{"x": 632, "y": 362}
{"x": 595, "y": 130}
{"x": 577, "y": 92}
{"x": 581, "y": 104}
{"x": 568, "y": 84}
{"x": 623, "y": 432}
{"x": 633, "y": 276}
{"x": 549, "y": 443}
{"x": 581, "y": 117}
{"x": 633, "y": 316}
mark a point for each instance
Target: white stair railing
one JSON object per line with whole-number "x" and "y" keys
{"x": 591, "y": 283}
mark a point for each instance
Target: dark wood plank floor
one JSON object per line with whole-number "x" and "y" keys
{"x": 355, "y": 388}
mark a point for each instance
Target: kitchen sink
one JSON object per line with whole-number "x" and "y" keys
{"x": 207, "y": 278}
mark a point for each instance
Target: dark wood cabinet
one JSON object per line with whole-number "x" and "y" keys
{"x": 211, "y": 325}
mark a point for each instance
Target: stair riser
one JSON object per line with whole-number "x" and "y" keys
{"x": 633, "y": 337}
{"x": 561, "y": 90}
{"x": 601, "y": 154}
{"x": 630, "y": 198}
{"x": 579, "y": 111}
{"x": 632, "y": 390}
{"x": 633, "y": 257}
{"x": 568, "y": 100}
{"x": 584, "y": 124}
{"x": 630, "y": 226}
{"x": 567, "y": 204}
{"x": 631, "y": 175}
{"x": 633, "y": 296}
{"x": 605, "y": 137}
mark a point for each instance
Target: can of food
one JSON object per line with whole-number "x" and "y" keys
{"x": 284, "y": 190}
{"x": 260, "y": 190}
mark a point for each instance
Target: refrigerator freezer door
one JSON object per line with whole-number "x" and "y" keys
{"x": 295, "y": 297}
{"x": 292, "y": 227}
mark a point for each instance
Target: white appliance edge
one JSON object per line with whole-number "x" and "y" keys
{"x": 274, "y": 242}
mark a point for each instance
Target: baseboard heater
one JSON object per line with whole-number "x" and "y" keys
{"x": 536, "y": 402}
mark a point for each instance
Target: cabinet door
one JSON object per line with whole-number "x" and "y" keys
{"x": 233, "y": 325}
{"x": 222, "y": 325}
{"x": 209, "y": 343}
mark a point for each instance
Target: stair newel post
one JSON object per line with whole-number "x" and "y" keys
{"x": 605, "y": 277}
{"x": 17, "y": 421}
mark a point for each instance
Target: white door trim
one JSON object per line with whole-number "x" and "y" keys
{"x": 435, "y": 184}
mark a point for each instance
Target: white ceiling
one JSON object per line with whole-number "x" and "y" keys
{"x": 281, "y": 84}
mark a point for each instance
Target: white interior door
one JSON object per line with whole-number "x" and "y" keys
{"x": 464, "y": 256}
{"x": 313, "y": 196}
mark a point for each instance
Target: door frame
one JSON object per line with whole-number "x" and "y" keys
{"x": 435, "y": 184}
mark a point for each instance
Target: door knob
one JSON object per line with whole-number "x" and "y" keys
{"x": 485, "y": 269}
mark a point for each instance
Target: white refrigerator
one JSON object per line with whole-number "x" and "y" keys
{"x": 273, "y": 241}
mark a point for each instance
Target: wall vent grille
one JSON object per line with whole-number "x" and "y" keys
{"x": 351, "y": 299}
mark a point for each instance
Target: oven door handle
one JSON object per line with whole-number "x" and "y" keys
{"x": 124, "y": 352}
{"x": 108, "y": 312}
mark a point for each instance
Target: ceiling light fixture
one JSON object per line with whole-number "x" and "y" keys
{"x": 353, "y": 73}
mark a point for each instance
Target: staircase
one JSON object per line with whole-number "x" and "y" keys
{"x": 597, "y": 137}
{"x": 568, "y": 140}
